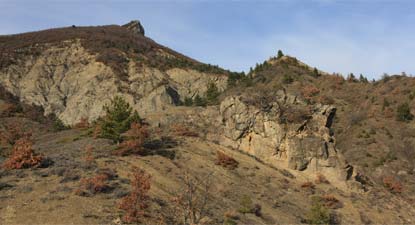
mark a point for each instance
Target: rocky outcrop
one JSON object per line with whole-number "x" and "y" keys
{"x": 135, "y": 27}
{"x": 305, "y": 144}
{"x": 68, "y": 81}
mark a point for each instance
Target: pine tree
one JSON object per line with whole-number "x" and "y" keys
{"x": 404, "y": 112}
{"x": 199, "y": 101}
{"x": 188, "y": 101}
{"x": 212, "y": 94}
{"x": 279, "y": 54}
{"x": 118, "y": 118}
{"x": 315, "y": 72}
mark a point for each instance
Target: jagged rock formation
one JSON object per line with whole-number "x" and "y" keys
{"x": 273, "y": 134}
{"x": 135, "y": 27}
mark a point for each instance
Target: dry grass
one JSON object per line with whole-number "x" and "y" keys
{"x": 182, "y": 130}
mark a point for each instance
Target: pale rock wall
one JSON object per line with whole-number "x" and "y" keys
{"x": 67, "y": 80}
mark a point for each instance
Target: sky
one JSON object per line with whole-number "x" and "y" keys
{"x": 371, "y": 37}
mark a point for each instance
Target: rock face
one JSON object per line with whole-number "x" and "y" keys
{"x": 305, "y": 144}
{"x": 68, "y": 80}
{"x": 135, "y": 27}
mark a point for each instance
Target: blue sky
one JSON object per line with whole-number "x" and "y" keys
{"x": 369, "y": 37}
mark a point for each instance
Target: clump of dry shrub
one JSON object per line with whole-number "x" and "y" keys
{"x": 226, "y": 161}
{"x": 82, "y": 124}
{"x": 392, "y": 184}
{"x": 138, "y": 201}
{"x": 93, "y": 185}
{"x": 321, "y": 179}
{"x": 135, "y": 139}
{"x": 23, "y": 156}
{"x": 308, "y": 185}
{"x": 331, "y": 202}
{"x": 309, "y": 92}
{"x": 89, "y": 154}
{"x": 182, "y": 130}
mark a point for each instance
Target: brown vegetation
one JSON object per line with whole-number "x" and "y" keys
{"x": 136, "y": 137}
{"x": 226, "y": 161}
{"x": 93, "y": 185}
{"x": 89, "y": 154}
{"x": 23, "y": 156}
{"x": 182, "y": 130}
{"x": 392, "y": 184}
{"x": 137, "y": 202}
{"x": 190, "y": 205}
{"x": 82, "y": 124}
{"x": 321, "y": 179}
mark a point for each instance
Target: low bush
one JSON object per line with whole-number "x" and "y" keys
{"x": 308, "y": 185}
{"x": 226, "y": 161}
{"x": 138, "y": 201}
{"x": 321, "y": 179}
{"x": 318, "y": 213}
{"x": 82, "y": 124}
{"x": 309, "y": 92}
{"x": 246, "y": 205}
{"x": 331, "y": 202}
{"x": 89, "y": 154}
{"x": 392, "y": 184}
{"x": 403, "y": 112}
{"x": 93, "y": 185}
{"x": 182, "y": 130}
{"x": 135, "y": 139}
{"x": 23, "y": 156}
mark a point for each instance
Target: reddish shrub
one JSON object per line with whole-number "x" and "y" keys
{"x": 309, "y": 92}
{"x": 308, "y": 185}
{"x": 331, "y": 202}
{"x": 136, "y": 136}
{"x": 94, "y": 185}
{"x": 181, "y": 130}
{"x": 392, "y": 184}
{"x": 89, "y": 154}
{"x": 136, "y": 203}
{"x": 321, "y": 179}
{"x": 82, "y": 124}
{"x": 97, "y": 131}
{"x": 7, "y": 109}
{"x": 225, "y": 160}
{"x": 23, "y": 156}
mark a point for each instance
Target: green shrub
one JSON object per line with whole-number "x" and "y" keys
{"x": 188, "y": 101}
{"x": 199, "y": 101}
{"x": 404, "y": 112}
{"x": 118, "y": 118}
{"x": 318, "y": 213}
{"x": 280, "y": 54}
{"x": 287, "y": 79}
{"x": 58, "y": 125}
{"x": 212, "y": 94}
{"x": 246, "y": 205}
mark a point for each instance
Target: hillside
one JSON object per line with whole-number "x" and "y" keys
{"x": 284, "y": 144}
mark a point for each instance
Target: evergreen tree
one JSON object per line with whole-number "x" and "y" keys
{"x": 279, "y": 54}
{"x": 188, "y": 101}
{"x": 199, "y": 101}
{"x": 363, "y": 79}
{"x": 315, "y": 72}
{"x": 118, "y": 118}
{"x": 404, "y": 112}
{"x": 212, "y": 94}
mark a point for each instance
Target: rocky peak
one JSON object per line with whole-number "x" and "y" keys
{"x": 135, "y": 27}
